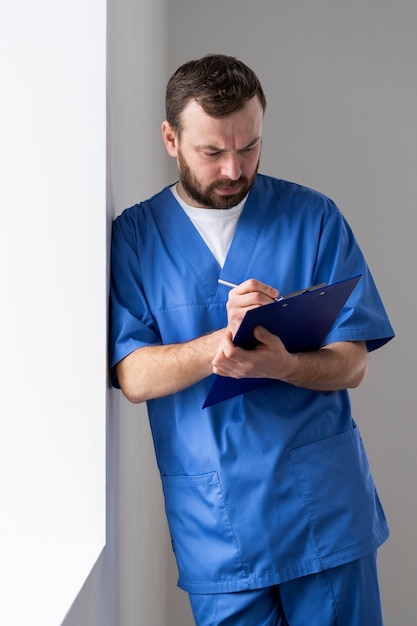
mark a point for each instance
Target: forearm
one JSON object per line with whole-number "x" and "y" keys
{"x": 156, "y": 371}
{"x": 337, "y": 366}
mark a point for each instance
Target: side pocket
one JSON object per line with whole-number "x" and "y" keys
{"x": 339, "y": 493}
{"x": 203, "y": 540}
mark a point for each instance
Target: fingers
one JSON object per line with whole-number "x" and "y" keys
{"x": 263, "y": 361}
{"x": 255, "y": 292}
{"x": 233, "y": 361}
{"x": 224, "y": 360}
{"x": 248, "y": 295}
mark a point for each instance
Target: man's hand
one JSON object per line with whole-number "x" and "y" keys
{"x": 341, "y": 365}
{"x": 248, "y": 295}
{"x": 269, "y": 359}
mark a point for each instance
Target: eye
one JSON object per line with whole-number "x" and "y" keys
{"x": 249, "y": 149}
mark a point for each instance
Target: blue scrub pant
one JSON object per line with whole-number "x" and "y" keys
{"x": 347, "y": 595}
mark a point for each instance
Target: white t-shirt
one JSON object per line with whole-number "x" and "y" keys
{"x": 216, "y": 226}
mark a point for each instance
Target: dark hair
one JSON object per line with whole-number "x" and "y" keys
{"x": 220, "y": 84}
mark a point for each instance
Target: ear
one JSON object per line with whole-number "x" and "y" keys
{"x": 169, "y": 137}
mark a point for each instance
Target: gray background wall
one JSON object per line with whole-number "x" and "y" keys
{"x": 342, "y": 93}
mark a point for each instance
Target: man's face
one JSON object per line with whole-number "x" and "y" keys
{"x": 217, "y": 158}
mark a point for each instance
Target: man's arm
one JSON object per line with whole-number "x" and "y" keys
{"x": 156, "y": 371}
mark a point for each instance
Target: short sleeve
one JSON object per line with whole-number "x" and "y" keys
{"x": 131, "y": 322}
{"x": 364, "y": 317}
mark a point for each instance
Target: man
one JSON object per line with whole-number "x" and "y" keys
{"x": 272, "y": 509}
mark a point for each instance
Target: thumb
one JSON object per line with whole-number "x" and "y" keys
{"x": 261, "y": 334}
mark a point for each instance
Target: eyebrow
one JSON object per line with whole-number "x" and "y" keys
{"x": 251, "y": 144}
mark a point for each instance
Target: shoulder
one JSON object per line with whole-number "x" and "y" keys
{"x": 139, "y": 216}
{"x": 141, "y": 209}
{"x": 294, "y": 196}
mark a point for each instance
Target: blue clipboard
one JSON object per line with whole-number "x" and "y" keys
{"x": 301, "y": 321}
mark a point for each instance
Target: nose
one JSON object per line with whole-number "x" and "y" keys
{"x": 230, "y": 166}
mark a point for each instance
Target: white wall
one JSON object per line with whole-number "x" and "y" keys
{"x": 53, "y": 296}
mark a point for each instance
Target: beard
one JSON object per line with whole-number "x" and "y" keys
{"x": 208, "y": 197}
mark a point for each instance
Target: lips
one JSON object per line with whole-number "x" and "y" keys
{"x": 229, "y": 190}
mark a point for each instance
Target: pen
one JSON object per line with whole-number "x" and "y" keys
{"x": 226, "y": 283}
{"x": 288, "y": 295}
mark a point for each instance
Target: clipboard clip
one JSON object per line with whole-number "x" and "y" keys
{"x": 298, "y": 293}
{"x": 283, "y": 297}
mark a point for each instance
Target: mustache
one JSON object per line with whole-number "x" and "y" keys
{"x": 227, "y": 183}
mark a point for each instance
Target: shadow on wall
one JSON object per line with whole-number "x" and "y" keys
{"x": 92, "y": 606}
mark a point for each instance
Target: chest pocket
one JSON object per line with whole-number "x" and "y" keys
{"x": 188, "y": 321}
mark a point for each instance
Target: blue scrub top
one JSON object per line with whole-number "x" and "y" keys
{"x": 274, "y": 484}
